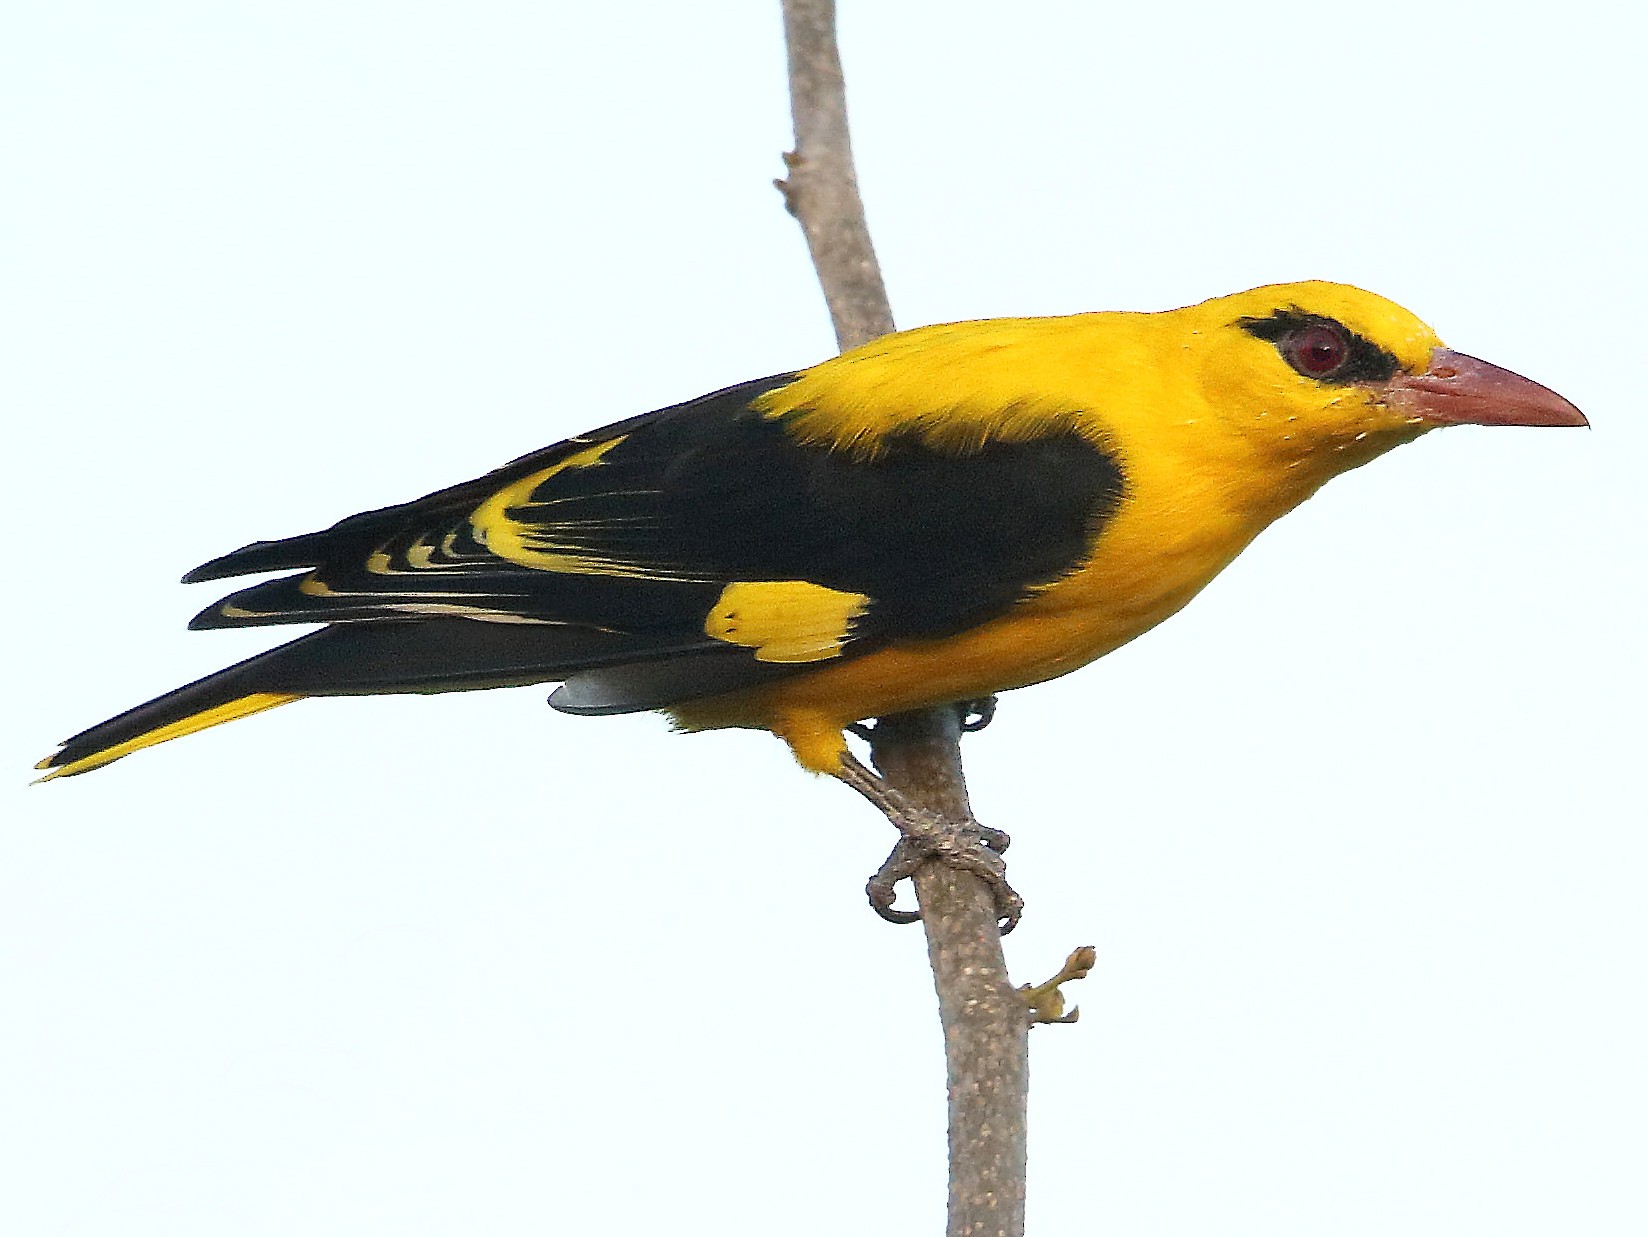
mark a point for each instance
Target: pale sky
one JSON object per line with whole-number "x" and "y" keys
{"x": 1359, "y": 836}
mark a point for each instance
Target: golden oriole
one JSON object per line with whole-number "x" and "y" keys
{"x": 941, "y": 514}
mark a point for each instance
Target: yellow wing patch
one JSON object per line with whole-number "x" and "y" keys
{"x": 536, "y": 545}
{"x": 256, "y": 702}
{"x": 785, "y": 620}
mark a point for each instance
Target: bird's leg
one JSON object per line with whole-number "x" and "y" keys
{"x": 973, "y": 716}
{"x": 966, "y": 845}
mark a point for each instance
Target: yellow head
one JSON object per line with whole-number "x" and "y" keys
{"x": 1296, "y": 369}
{"x": 1319, "y": 377}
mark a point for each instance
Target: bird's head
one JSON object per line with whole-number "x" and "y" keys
{"x": 1334, "y": 375}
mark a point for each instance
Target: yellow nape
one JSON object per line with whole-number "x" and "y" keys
{"x": 257, "y": 702}
{"x": 785, "y": 620}
{"x": 954, "y": 386}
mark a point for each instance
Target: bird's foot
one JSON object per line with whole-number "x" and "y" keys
{"x": 964, "y": 845}
{"x": 973, "y": 715}
{"x": 964, "y": 849}
{"x": 977, "y": 714}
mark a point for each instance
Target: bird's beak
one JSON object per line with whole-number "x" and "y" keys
{"x": 1461, "y": 390}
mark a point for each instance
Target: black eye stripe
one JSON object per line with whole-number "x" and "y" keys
{"x": 1365, "y": 361}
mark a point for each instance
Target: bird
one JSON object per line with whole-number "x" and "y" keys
{"x": 931, "y": 518}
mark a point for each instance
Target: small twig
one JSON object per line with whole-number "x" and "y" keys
{"x": 1046, "y": 1000}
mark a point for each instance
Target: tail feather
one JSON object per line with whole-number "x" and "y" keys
{"x": 100, "y": 745}
{"x": 418, "y": 655}
{"x": 283, "y": 555}
{"x": 361, "y": 532}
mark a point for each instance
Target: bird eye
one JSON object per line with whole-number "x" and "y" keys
{"x": 1316, "y": 351}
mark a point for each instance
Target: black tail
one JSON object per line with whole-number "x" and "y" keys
{"x": 353, "y": 659}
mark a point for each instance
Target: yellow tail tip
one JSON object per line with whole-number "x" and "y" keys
{"x": 245, "y": 706}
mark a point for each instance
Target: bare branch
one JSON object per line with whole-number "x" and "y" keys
{"x": 822, "y": 188}
{"x": 986, "y": 1020}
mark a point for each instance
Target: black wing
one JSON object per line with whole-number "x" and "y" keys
{"x": 706, "y": 528}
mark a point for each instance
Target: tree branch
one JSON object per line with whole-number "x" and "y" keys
{"x": 822, "y": 188}
{"x": 986, "y": 1022}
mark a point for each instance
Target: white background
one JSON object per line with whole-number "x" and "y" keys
{"x": 1359, "y": 836}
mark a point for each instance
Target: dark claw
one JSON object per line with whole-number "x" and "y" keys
{"x": 905, "y": 858}
{"x": 977, "y": 714}
{"x": 1009, "y": 907}
{"x": 989, "y": 867}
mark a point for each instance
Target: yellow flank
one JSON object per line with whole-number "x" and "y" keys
{"x": 533, "y": 545}
{"x": 785, "y": 620}
{"x": 256, "y": 702}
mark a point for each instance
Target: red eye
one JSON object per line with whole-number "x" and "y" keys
{"x": 1316, "y": 351}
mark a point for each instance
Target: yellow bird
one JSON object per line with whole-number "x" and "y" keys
{"x": 934, "y": 517}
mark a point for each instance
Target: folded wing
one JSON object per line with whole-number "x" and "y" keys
{"x": 706, "y": 536}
